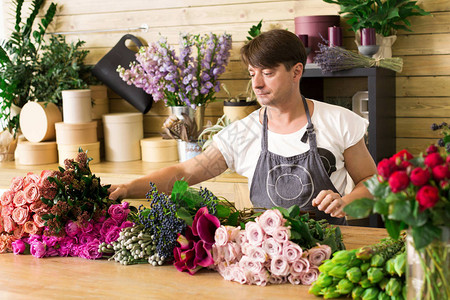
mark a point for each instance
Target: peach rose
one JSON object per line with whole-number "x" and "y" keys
{"x": 38, "y": 207}
{"x": 18, "y": 232}
{"x": 7, "y": 197}
{"x": 7, "y": 210}
{"x": 30, "y": 227}
{"x": 17, "y": 184}
{"x": 32, "y": 193}
{"x": 20, "y": 215}
{"x": 31, "y": 178}
{"x": 19, "y": 199}
{"x": 38, "y": 220}
{"x": 8, "y": 224}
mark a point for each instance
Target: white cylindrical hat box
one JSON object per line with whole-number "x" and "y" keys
{"x": 77, "y": 106}
{"x": 81, "y": 133}
{"x": 122, "y": 133}
{"x": 157, "y": 149}
{"x": 37, "y": 121}
{"x": 71, "y": 152}
{"x": 28, "y": 153}
{"x": 100, "y": 102}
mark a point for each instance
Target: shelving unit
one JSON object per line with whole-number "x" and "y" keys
{"x": 381, "y": 88}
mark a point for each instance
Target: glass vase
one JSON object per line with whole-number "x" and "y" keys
{"x": 198, "y": 114}
{"x": 428, "y": 273}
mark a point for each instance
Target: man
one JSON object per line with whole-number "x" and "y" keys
{"x": 292, "y": 150}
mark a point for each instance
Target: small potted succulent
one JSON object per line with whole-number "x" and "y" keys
{"x": 386, "y": 17}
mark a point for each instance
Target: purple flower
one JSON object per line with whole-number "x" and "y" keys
{"x": 118, "y": 213}
{"x": 18, "y": 247}
{"x": 203, "y": 256}
{"x": 38, "y": 249}
{"x": 204, "y": 226}
{"x": 107, "y": 226}
{"x": 71, "y": 228}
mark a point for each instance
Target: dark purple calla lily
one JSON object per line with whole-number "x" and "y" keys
{"x": 200, "y": 212}
{"x": 206, "y": 228}
{"x": 203, "y": 255}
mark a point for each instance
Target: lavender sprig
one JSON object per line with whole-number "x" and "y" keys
{"x": 332, "y": 59}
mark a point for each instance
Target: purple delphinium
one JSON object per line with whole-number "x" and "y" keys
{"x": 190, "y": 79}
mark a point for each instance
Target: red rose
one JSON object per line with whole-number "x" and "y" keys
{"x": 420, "y": 176}
{"x": 427, "y": 196}
{"x": 402, "y": 155}
{"x": 447, "y": 160}
{"x": 386, "y": 167}
{"x": 432, "y": 149}
{"x": 398, "y": 181}
{"x": 433, "y": 159}
{"x": 441, "y": 172}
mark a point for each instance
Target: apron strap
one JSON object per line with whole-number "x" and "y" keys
{"x": 310, "y": 133}
{"x": 264, "y": 143}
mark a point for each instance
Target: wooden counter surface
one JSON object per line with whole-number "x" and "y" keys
{"x": 26, "y": 277}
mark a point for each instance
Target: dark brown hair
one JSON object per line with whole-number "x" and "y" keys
{"x": 273, "y": 48}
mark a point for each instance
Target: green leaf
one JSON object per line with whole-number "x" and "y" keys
{"x": 394, "y": 227}
{"x": 377, "y": 189}
{"x": 222, "y": 211}
{"x": 233, "y": 219}
{"x": 360, "y": 208}
{"x": 293, "y": 211}
{"x": 183, "y": 214}
{"x": 179, "y": 188}
{"x": 401, "y": 211}
{"x": 424, "y": 235}
{"x": 381, "y": 207}
{"x": 283, "y": 211}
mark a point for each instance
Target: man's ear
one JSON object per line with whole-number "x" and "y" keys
{"x": 298, "y": 70}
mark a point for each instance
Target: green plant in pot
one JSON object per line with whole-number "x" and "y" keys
{"x": 19, "y": 57}
{"x": 385, "y": 16}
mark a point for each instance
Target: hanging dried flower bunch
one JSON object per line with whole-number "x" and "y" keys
{"x": 181, "y": 129}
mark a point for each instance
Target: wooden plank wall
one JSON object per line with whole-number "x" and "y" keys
{"x": 423, "y": 93}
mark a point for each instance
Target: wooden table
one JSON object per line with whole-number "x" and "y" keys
{"x": 26, "y": 277}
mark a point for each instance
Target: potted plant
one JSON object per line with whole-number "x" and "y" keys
{"x": 385, "y": 16}
{"x": 207, "y": 134}
{"x": 236, "y": 108}
{"x": 19, "y": 57}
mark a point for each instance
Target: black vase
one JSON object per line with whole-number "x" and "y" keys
{"x": 105, "y": 71}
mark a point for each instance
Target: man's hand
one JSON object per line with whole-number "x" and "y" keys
{"x": 330, "y": 203}
{"x": 117, "y": 191}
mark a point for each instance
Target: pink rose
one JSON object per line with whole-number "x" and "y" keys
{"x": 291, "y": 251}
{"x": 281, "y": 234}
{"x": 20, "y": 215}
{"x": 7, "y": 210}
{"x": 31, "y": 193}
{"x": 19, "y": 199}
{"x": 38, "y": 207}
{"x": 126, "y": 224}
{"x": 30, "y": 227}
{"x": 257, "y": 254}
{"x": 225, "y": 271}
{"x": 16, "y": 184}
{"x": 71, "y": 228}
{"x": 217, "y": 254}
{"x": 7, "y": 197}
{"x": 18, "y": 247}
{"x": 38, "y": 220}
{"x": 241, "y": 237}
{"x": 255, "y": 235}
{"x": 8, "y": 224}
{"x": 275, "y": 279}
{"x": 107, "y": 226}
{"x": 270, "y": 220}
{"x": 221, "y": 236}
{"x": 31, "y": 178}
{"x": 272, "y": 247}
{"x": 18, "y": 232}
{"x": 231, "y": 252}
{"x": 118, "y": 212}
{"x": 318, "y": 254}
{"x": 90, "y": 250}
{"x": 300, "y": 265}
{"x": 249, "y": 265}
{"x": 309, "y": 277}
{"x": 38, "y": 249}
{"x": 261, "y": 278}
{"x": 87, "y": 227}
{"x": 112, "y": 235}
{"x": 295, "y": 278}
{"x": 238, "y": 274}
{"x": 279, "y": 266}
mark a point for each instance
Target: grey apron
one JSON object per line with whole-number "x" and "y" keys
{"x": 285, "y": 181}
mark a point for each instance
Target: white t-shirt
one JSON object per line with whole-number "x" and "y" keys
{"x": 336, "y": 128}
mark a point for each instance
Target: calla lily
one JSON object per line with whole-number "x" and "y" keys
{"x": 184, "y": 261}
{"x": 185, "y": 244}
{"x": 203, "y": 255}
{"x": 200, "y": 212}
{"x": 206, "y": 229}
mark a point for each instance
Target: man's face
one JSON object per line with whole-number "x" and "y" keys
{"x": 272, "y": 86}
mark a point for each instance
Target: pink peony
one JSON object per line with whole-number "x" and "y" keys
{"x": 110, "y": 222}
{"x": 270, "y": 220}
{"x": 87, "y": 227}
{"x": 309, "y": 277}
{"x": 71, "y": 228}
{"x": 90, "y": 250}
{"x": 85, "y": 238}
{"x": 279, "y": 266}
{"x": 300, "y": 265}
{"x": 427, "y": 196}
{"x": 272, "y": 247}
{"x": 281, "y": 234}
{"x": 18, "y": 247}
{"x": 441, "y": 172}
{"x": 118, "y": 212}
{"x": 19, "y": 199}
{"x": 255, "y": 235}
{"x": 50, "y": 241}
{"x": 126, "y": 224}
{"x": 386, "y": 167}
{"x": 38, "y": 249}
{"x": 433, "y": 159}
{"x": 31, "y": 193}
{"x": 318, "y": 254}
{"x": 112, "y": 235}
{"x": 20, "y": 215}
{"x": 16, "y": 184}
{"x": 7, "y": 197}
{"x": 291, "y": 251}
{"x": 65, "y": 246}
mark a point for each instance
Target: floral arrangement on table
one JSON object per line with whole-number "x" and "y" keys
{"x": 414, "y": 194}
{"x": 187, "y": 79}
{"x": 333, "y": 59}
{"x": 60, "y": 213}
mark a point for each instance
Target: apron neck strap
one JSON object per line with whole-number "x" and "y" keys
{"x": 264, "y": 145}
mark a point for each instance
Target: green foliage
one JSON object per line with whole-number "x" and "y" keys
{"x": 61, "y": 68}
{"x": 254, "y": 31}
{"x": 386, "y": 16}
